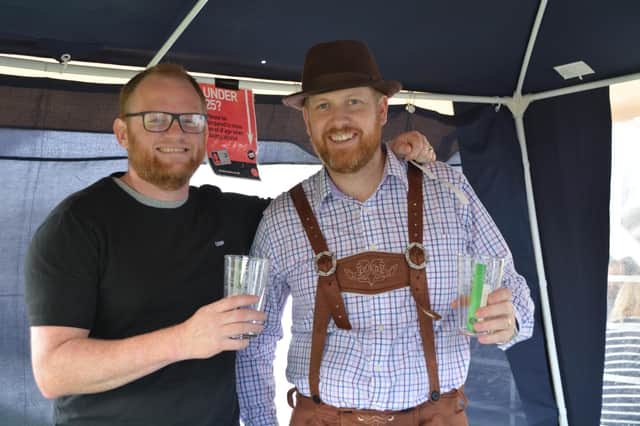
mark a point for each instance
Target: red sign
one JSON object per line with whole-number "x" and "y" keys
{"x": 232, "y": 146}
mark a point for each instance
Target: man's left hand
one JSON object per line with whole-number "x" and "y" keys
{"x": 498, "y": 318}
{"x": 413, "y": 145}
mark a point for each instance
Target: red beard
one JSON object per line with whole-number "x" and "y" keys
{"x": 164, "y": 175}
{"x": 348, "y": 160}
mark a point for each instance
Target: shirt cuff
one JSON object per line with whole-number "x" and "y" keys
{"x": 514, "y": 339}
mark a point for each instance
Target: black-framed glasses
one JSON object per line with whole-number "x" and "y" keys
{"x": 160, "y": 121}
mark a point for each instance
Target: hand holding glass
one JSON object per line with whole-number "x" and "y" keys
{"x": 477, "y": 277}
{"x": 246, "y": 275}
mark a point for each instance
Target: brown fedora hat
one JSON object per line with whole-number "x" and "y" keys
{"x": 337, "y": 65}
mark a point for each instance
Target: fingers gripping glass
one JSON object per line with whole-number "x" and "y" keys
{"x": 159, "y": 121}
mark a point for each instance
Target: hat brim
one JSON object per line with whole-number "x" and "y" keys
{"x": 386, "y": 87}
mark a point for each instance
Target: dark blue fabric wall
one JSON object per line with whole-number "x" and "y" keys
{"x": 29, "y": 190}
{"x": 569, "y": 140}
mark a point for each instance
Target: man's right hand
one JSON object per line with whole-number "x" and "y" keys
{"x": 212, "y": 328}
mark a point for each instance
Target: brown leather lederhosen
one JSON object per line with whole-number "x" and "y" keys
{"x": 372, "y": 273}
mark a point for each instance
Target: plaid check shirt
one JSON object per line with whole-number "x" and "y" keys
{"x": 379, "y": 364}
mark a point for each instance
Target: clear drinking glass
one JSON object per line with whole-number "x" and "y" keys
{"x": 246, "y": 275}
{"x": 478, "y": 275}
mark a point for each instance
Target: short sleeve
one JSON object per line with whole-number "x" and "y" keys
{"x": 61, "y": 272}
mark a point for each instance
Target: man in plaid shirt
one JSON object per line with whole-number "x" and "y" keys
{"x": 373, "y": 339}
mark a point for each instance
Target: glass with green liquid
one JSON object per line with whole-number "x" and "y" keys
{"x": 478, "y": 275}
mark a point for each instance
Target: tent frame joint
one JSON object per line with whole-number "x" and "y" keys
{"x": 519, "y": 104}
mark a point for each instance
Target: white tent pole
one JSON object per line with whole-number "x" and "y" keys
{"x": 73, "y": 71}
{"x": 518, "y": 106}
{"x": 547, "y": 322}
{"x": 532, "y": 41}
{"x": 177, "y": 32}
{"x": 582, "y": 87}
{"x": 412, "y": 96}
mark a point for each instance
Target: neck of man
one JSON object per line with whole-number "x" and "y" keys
{"x": 150, "y": 190}
{"x": 364, "y": 182}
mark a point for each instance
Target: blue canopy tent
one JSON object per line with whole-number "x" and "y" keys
{"x": 536, "y": 147}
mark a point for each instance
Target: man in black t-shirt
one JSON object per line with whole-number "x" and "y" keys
{"x": 124, "y": 278}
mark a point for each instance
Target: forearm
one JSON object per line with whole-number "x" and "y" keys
{"x": 255, "y": 382}
{"x": 82, "y": 365}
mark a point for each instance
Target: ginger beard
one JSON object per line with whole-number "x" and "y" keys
{"x": 345, "y": 160}
{"x": 166, "y": 175}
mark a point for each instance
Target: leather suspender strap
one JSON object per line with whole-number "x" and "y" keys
{"x": 309, "y": 222}
{"x": 321, "y": 317}
{"x": 329, "y": 301}
{"x": 415, "y": 204}
{"x": 417, "y": 258}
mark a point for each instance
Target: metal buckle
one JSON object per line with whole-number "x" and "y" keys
{"x": 407, "y": 255}
{"x": 334, "y": 263}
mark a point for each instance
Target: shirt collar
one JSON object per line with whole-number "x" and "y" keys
{"x": 326, "y": 189}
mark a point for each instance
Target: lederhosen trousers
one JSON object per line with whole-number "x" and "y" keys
{"x": 372, "y": 273}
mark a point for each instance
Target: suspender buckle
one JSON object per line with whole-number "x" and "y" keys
{"x": 320, "y": 268}
{"x": 418, "y": 252}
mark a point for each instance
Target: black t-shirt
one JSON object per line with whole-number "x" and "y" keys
{"x": 106, "y": 262}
